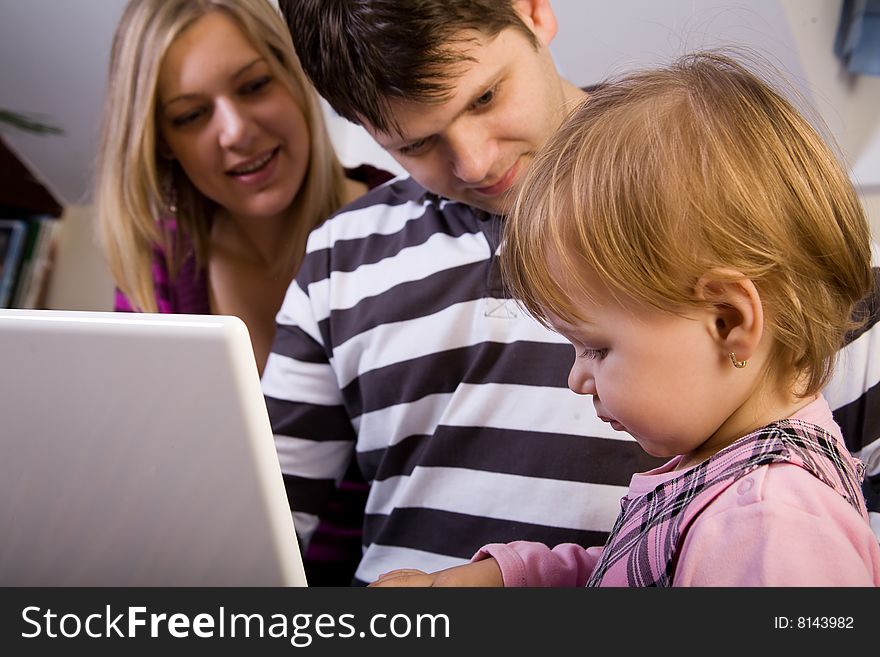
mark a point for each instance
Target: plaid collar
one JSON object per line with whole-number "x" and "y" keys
{"x": 649, "y": 530}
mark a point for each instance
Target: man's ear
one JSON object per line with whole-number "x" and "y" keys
{"x": 539, "y": 18}
{"x": 735, "y": 319}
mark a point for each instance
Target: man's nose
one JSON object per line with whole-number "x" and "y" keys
{"x": 472, "y": 154}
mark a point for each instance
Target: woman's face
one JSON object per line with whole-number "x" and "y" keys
{"x": 236, "y": 131}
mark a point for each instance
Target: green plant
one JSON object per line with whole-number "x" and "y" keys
{"x": 28, "y": 123}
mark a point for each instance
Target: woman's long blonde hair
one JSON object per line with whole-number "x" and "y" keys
{"x": 133, "y": 180}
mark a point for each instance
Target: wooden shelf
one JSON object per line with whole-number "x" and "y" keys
{"x": 20, "y": 191}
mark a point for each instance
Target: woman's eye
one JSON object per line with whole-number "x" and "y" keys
{"x": 185, "y": 119}
{"x": 256, "y": 85}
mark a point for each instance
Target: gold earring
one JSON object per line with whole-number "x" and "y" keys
{"x": 738, "y": 364}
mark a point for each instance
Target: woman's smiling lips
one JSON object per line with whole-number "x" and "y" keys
{"x": 254, "y": 170}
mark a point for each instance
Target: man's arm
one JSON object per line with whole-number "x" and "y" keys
{"x": 313, "y": 432}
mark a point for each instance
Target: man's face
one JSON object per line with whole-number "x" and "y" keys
{"x": 476, "y": 146}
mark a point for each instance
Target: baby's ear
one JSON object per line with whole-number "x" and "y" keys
{"x": 736, "y": 316}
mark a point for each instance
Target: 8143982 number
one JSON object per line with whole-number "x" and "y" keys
{"x": 813, "y": 623}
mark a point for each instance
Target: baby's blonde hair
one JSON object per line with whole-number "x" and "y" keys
{"x": 132, "y": 177}
{"x": 664, "y": 175}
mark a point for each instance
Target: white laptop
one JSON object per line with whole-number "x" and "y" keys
{"x": 135, "y": 450}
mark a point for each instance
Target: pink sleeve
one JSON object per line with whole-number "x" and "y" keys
{"x": 524, "y": 563}
{"x": 779, "y": 526}
{"x": 121, "y": 302}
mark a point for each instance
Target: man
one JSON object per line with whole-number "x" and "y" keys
{"x": 397, "y": 343}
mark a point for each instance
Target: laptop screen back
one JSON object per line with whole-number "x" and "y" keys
{"x": 135, "y": 450}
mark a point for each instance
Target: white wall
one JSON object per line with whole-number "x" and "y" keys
{"x": 55, "y": 55}
{"x": 596, "y": 39}
{"x": 872, "y": 207}
{"x": 80, "y": 278}
{"x": 848, "y": 103}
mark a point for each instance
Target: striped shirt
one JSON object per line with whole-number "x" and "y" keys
{"x": 397, "y": 345}
{"x": 854, "y": 394}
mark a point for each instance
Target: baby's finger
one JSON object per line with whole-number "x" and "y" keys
{"x": 403, "y": 577}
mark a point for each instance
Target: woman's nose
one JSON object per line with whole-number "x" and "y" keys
{"x": 235, "y": 131}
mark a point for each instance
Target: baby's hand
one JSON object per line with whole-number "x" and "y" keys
{"x": 479, "y": 573}
{"x": 405, "y": 577}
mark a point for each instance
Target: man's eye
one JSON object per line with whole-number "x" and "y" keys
{"x": 415, "y": 147}
{"x": 485, "y": 99}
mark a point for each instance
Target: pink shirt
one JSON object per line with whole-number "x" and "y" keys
{"x": 779, "y": 525}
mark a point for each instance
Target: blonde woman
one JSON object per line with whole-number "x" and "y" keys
{"x": 214, "y": 166}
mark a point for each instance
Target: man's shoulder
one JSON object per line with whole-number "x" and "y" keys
{"x": 394, "y": 192}
{"x": 405, "y": 191}
{"x": 392, "y": 207}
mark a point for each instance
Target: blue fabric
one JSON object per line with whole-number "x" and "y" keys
{"x": 857, "y": 41}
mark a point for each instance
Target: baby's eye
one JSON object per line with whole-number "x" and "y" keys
{"x": 593, "y": 354}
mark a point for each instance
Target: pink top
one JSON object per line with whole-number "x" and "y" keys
{"x": 777, "y": 525}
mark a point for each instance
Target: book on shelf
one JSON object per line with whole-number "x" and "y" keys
{"x": 12, "y": 239}
{"x": 27, "y": 278}
{"x": 36, "y": 262}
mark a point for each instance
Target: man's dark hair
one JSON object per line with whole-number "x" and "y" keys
{"x": 362, "y": 54}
